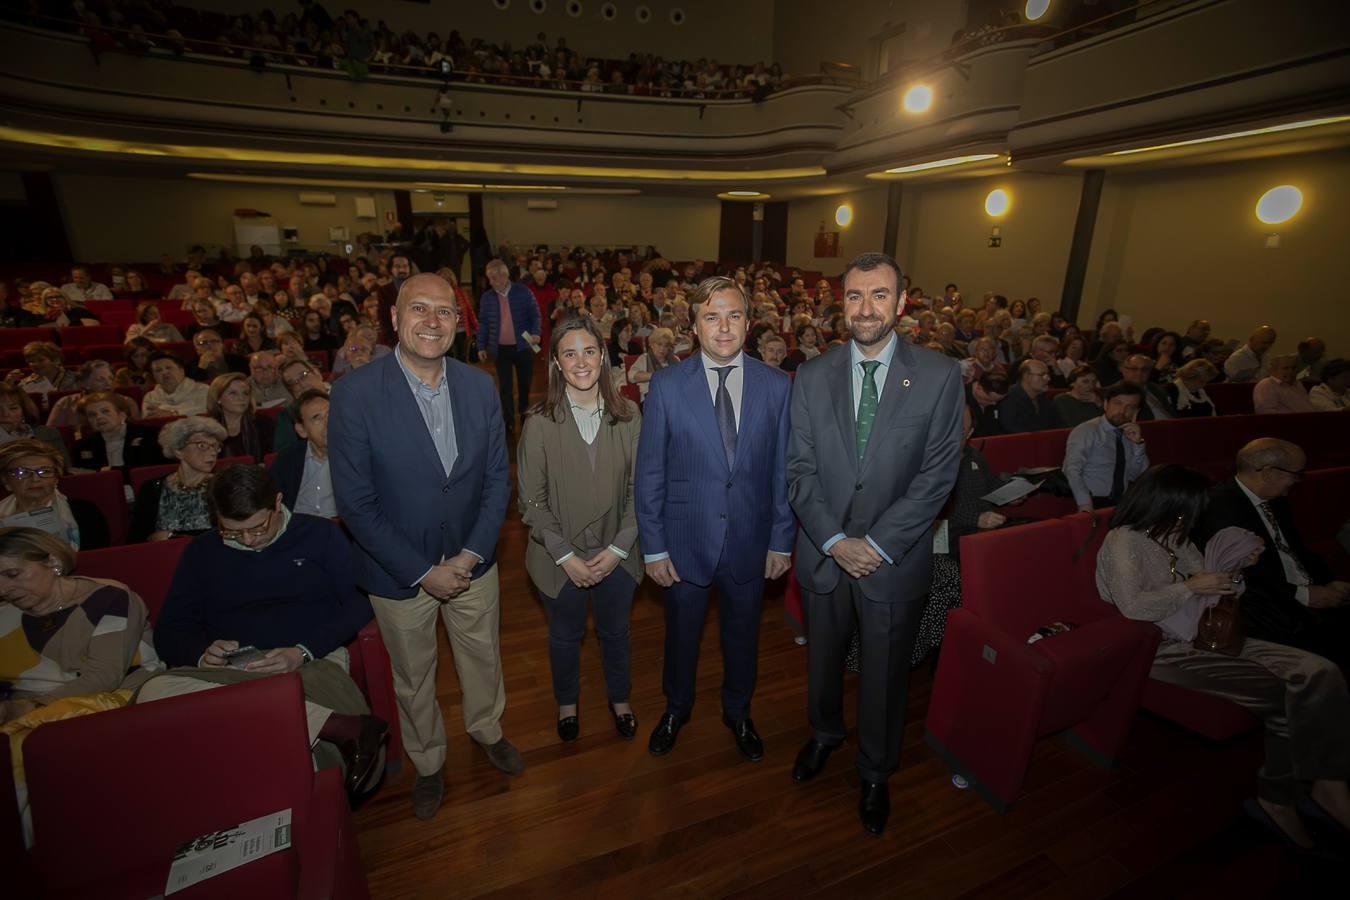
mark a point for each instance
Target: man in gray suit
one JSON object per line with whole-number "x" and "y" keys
{"x": 873, "y": 453}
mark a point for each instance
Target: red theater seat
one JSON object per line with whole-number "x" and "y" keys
{"x": 15, "y": 338}
{"x": 104, "y": 490}
{"x": 1231, "y": 399}
{"x": 119, "y": 791}
{"x": 995, "y": 695}
{"x": 90, "y": 335}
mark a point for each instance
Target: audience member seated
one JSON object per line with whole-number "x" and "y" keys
{"x": 1186, "y": 391}
{"x": 621, "y": 342}
{"x": 1104, "y": 455}
{"x": 362, "y": 346}
{"x": 298, "y": 376}
{"x": 969, "y": 513}
{"x": 252, "y": 337}
{"x": 1291, "y": 596}
{"x": 808, "y": 347}
{"x": 1215, "y": 351}
{"x": 773, "y": 350}
{"x": 1247, "y": 363}
{"x": 281, "y": 583}
{"x": 47, "y": 363}
{"x": 204, "y": 315}
{"x": 174, "y": 393}
{"x": 81, "y": 288}
{"x": 150, "y": 326}
{"x": 985, "y": 398}
{"x": 1043, "y": 348}
{"x": 314, "y": 333}
{"x": 1080, "y": 402}
{"x": 1107, "y": 363}
{"x": 230, "y": 402}
{"x": 290, "y": 346}
{"x": 59, "y": 312}
{"x": 1331, "y": 395}
{"x": 94, "y": 376}
{"x": 660, "y": 355}
{"x": 1138, "y": 369}
{"x": 1151, "y": 571}
{"x": 1196, "y": 335}
{"x": 301, "y": 470}
{"x": 29, "y": 470}
{"x": 1027, "y": 406}
{"x": 1280, "y": 392}
{"x": 983, "y": 359}
{"x": 264, "y": 380}
{"x": 175, "y": 504}
{"x": 111, "y": 441}
{"x": 1166, "y": 356}
{"x": 136, "y": 372}
{"x": 213, "y": 359}
{"x": 1311, "y": 355}
{"x": 19, "y": 417}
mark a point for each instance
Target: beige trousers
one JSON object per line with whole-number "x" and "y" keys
{"x": 1301, "y": 698}
{"x": 409, "y": 630}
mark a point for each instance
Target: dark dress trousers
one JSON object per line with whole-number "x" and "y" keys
{"x": 892, "y": 495}
{"x": 717, "y": 522}
{"x": 1270, "y": 609}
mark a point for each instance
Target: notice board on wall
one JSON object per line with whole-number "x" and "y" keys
{"x": 263, "y": 232}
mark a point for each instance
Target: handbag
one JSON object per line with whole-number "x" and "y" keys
{"x": 1220, "y": 628}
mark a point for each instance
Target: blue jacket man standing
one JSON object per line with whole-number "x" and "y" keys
{"x": 508, "y": 332}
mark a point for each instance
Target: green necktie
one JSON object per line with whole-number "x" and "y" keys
{"x": 867, "y": 405}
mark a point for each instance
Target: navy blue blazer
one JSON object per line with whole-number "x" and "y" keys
{"x": 689, "y": 504}
{"x": 391, "y": 491}
{"x": 524, "y": 316}
{"x": 288, "y": 470}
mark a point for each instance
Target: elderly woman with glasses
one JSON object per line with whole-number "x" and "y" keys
{"x": 175, "y": 505}
{"x": 29, "y": 470}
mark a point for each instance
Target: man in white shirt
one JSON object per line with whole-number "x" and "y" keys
{"x": 265, "y": 380}
{"x": 235, "y": 305}
{"x": 184, "y": 291}
{"x": 174, "y": 393}
{"x": 82, "y": 288}
{"x": 1247, "y": 362}
{"x": 1291, "y": 597}
{"x": 301, "y": 470}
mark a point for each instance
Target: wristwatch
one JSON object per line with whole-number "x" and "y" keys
{"x": 1237, "y": 578}
{"x": 305, "y": 655}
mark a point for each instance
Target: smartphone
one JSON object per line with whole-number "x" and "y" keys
{"x": 237, "y": 659}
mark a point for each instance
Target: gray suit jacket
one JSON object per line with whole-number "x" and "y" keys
{"x": 897, "y": 490}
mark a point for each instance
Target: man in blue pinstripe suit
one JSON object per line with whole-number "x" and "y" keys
{"x": 712, "y": 508}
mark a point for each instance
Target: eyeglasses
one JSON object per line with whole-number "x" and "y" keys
{"x": 206, "y": 342}
{"x": 292, "y": 382}
{"x": 23, "y": 474}
{"x": 260, "y": 531}
{"x": 204, "y": 446}
{"x": 1296, "y": 474}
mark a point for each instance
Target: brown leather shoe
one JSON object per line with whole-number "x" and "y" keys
{"x": 427, "y": 793}
{"x": 505, "y": 756}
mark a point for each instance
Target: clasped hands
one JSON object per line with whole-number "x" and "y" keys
{"x": 587, "y": 573}
{"x": 856, "y": 556}
{"x": 451, "y": 578}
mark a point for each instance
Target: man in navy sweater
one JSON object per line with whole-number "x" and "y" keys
{"x": 279, "y": 582}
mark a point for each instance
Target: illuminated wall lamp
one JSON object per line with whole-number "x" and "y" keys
{"x": 1277, "y": 205}
{"x": 918, "y": 98}
{"x": 843, "y": 215}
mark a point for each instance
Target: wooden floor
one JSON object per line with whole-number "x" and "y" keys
{"x": 602, "y": 818}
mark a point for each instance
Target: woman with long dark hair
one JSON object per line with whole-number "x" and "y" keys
{"x": 1152, "y": 572}
{"x": 575, "y": 466}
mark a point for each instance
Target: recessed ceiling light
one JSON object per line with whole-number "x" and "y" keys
{"x": 743, "y": 195}
{"x": 1271, "y": 129}
{"x": 941, "y": 163}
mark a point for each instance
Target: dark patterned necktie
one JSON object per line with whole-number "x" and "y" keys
{"x": 1118, "y": 474}
{"x": 726, "y": 414}
{"x": 867, "y": 405}
{"x": 1280, "y": 543}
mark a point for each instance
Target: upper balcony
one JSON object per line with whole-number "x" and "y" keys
{"x": 1040, "y": 96}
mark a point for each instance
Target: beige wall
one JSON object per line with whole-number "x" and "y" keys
{"x": 944, "y": 235}
{"x": 680, "y": 227}
{"x": 111, "y": 218}
{"x": 1171, "y": 246}
{"x": 807, "y": 32}
{"x": 863, "y": 233}
{"x": 739, "y": 32}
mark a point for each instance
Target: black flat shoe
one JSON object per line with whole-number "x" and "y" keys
{"x": 874, "y": 807}
{"x": 360, "y": 753}
{"x": 624, "y": 723}
{"x": 568, "y": 729}
{"x": 1257, "y": 814}
{"x": 747, "y": 739}
{"x": 810, "y": 761}
{"x": 663, "y": 736}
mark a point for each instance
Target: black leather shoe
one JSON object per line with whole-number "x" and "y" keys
{"x": 874, "y": 807}
{"x": 359, "y": 754}
{"x": 747, "y": 739}
{"x": 810, "y": 761}
{"x": 663, "y": 736}
{"x": 624, "y": 723}
{"x": 568, "y": 729}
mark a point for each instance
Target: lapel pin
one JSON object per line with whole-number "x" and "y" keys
{"x": 905, "y": 382}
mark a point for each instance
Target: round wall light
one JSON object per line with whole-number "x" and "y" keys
{"x": 843, "y": 215}
{"x": 1036, "y": 8}
{"x": 997, "y": 203}
{"x": 918, "y": 98}
{"x": 1279, "y": 204}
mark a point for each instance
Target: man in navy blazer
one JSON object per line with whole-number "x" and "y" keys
{"x": 418, "y": 457}
{"x": 507, "y": 313}
{"x": 712, "y": 510}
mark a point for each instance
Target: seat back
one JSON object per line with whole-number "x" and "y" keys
{"x": 1231, "y": 399}
{"x": 1019, "y": 579}
{"x": 1010, "y": 452}
{"x": 145, "y": 568}
{"x": 89, "y": 335}
{"x": 116, "y": 793}
{"x": 104, "y": 490}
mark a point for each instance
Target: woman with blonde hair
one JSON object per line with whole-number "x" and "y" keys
{"x": 29, "y": 470}
{"x": 1186, "y": 391}
{"x": 229, "y": 401}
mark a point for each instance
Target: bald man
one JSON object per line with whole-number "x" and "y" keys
{"x": 418, "y": 459}
{"x": 1248, "y": 361}
{"x": 1291, "y": 597}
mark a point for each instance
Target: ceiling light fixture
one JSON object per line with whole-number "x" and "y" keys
{"x": 1036, "y": 8}
{"x": 743, "y": 195}
{"x": 1271, "y": 129}
{"x": 941, "y": 163}
{"x": 918, "y": 98}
